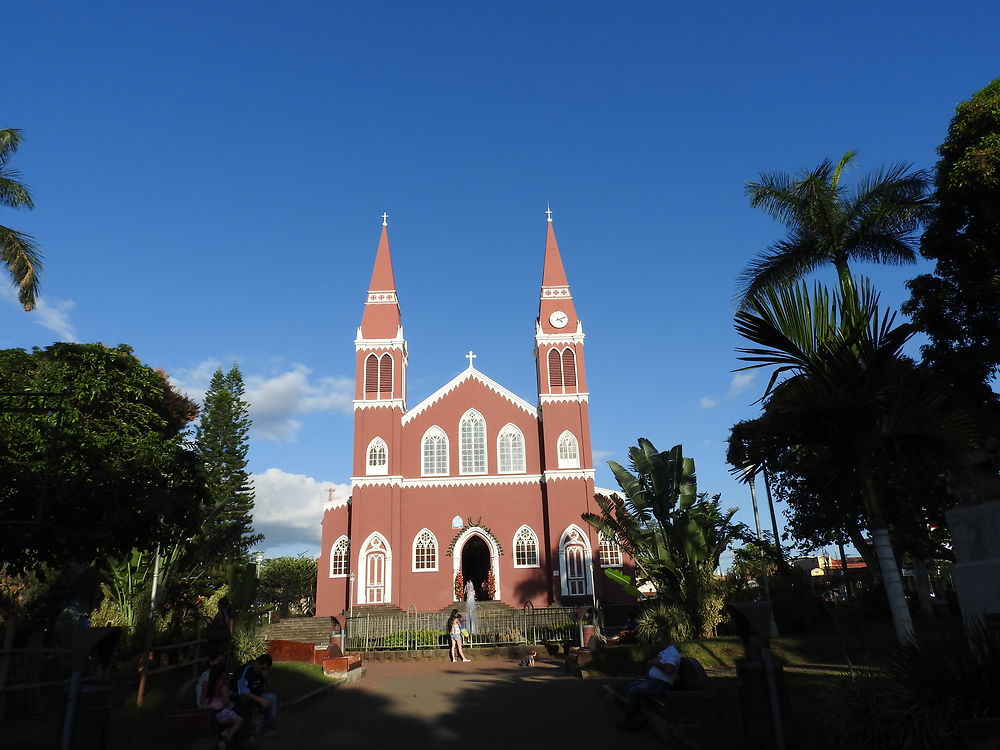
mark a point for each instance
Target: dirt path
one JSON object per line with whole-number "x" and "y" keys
{"x": 482, "y": 705}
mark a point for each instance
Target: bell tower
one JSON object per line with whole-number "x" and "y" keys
{"x": 563, "y": 400}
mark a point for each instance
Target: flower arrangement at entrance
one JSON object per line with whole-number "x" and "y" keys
{"x": 491, "y": 585}
{"x": 459, "y": 586}
{"x": 478, "y": 525}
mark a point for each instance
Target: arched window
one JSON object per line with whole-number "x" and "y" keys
{"x": 525, "y": 548}
{"x": 425, "y": 551}
{"x": 555, "y": 370}
{"x": 510, "y": 450}
{"x": 472, "y": 443}
{"x": 434, "y": 453}
{"x": 378, "y": 457}
{"x": 340, "y": 560}
{"x": 371, "y": 374}
{"x": 385, "y": 375}
{"x": 569, "y": 451}
{"x": 609, "y": 554}
{"x": 575, "y": 561}
{"x": 375, "y": 570}
{"x": 569, "y": 368}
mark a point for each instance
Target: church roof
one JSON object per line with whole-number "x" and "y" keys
{"x": 382, "y": 278}
{"x": 553, "y": 273}
{"x": 470, "y": 373}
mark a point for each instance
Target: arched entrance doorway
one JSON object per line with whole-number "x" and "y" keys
{"x": 476, "y": 565}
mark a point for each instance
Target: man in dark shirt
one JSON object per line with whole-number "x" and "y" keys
{"x": 251, "y": 682}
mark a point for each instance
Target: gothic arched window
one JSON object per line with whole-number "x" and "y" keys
{"x": 472, "y": 443}
{"x": 510, "y": 450}
{"x": 340, "y": 557}
{"x": 569, "y": 451}
{"x": 378, "y": 457}
{"x": 371, "y": 374}
{"x": 385, "y": 375}
{"x": 434, "y": 453}
{"x": 425, "y": 551}
{"x": 569, "y": 368}
{"x": 525, "y": 548}
{"x": 609, "y": 553}
{"x": 555, "y": 370}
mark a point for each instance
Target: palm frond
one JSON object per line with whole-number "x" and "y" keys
{"x": 13, "y": 193}
{"x": 10, "y": 139}
{"x": 24, "y": 262}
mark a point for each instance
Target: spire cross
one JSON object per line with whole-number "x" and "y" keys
{"x": 548, "y": 212}
{"x": 470, "y": 356}
{"x": 385, "y": 219}
{"x": 329, "y": 494}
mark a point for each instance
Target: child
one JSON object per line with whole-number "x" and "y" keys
{"x": 213, "y": 692}
{"x": 528, "y": 660}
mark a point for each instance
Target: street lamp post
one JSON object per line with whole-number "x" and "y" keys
{"x": 258, "y": 558}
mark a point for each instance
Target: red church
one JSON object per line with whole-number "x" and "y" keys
{"x": 474, "y": 483}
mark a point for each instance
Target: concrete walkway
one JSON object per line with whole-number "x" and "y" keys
{"x": 481, "y": 705}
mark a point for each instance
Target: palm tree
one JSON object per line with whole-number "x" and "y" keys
{"x": 828, "y": 224}
{"x": 17, "y": 249}
{"x": 847, "y": 392}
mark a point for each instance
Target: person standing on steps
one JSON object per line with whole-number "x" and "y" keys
{"x": 456, "y": 630}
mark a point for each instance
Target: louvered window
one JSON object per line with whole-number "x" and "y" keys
{"x": 555, "y": 370}
{"x": 371, "y": 374}
{"x": 385, "y": 374}
{"x": 569, "y": 368}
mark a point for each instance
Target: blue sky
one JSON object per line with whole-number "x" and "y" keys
{"x": 209, "y": 177}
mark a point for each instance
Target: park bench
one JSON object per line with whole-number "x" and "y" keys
{"x": 684, "y": 715}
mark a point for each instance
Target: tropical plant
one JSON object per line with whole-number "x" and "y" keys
{"x": 828, "y": 224}
{"x": 17, "y": 249}
{"x": 663, "y": 617}
{"x": 846, "y": 391}
{"x": 673, "y": 534}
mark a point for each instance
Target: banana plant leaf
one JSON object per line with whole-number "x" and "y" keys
{"x": 624, "y": 581}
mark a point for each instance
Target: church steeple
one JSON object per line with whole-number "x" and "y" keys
{"x": 556, "y": 313}
{"x": 381, "y": 319}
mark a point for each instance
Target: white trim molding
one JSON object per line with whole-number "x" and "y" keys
{"x": 363, "y": 569}
{"x": 467, "y": 374}
{"x": 548, "y": 398}
{"x": 551, "y": 475}
{"x": 556, "y": 292}
{"x": 473, "y": 480}
{"x": 339, "y": 502}
{"x": 391, "y": 481}
{"x": 494, "y": 556}
{"x": 383, "y": 297}
{"x": 387, "y": 403}
{"x": 363, "y": 344}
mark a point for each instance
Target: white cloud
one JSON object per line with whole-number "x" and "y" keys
{"x": 52, "y": 315}
{"x": 276, "y": 401}
{"x": 740, "y": 382}
{"x": 288, "y": 508}
{"x": 707, "y": 402}
{"x": 600, "y": 455}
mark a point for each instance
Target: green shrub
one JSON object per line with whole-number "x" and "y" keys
{"x": 248, "y": 642}
{"x": 404, "y": 638}
{"x": 665, "y": 618}
{"x": 915, "y": 697}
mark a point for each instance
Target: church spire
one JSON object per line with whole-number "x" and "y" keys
{"x": 381, "y": 319}
{"x": 556, "y": 313}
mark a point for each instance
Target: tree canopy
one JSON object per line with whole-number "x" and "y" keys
{"x": 92, "y": 456}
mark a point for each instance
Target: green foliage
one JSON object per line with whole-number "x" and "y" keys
{"x": 248, "y": 641}
{"x": 221, "y": 439}
{"x": 828, "y": 224}
{"x": 665, "y": 618}
{"x": 17, "y": 249}
{"x": 674, "y": 535}
{"x": 289, "y": 583}
{"x": 100, "y": 466}
{"x": 405, "y": 638}
{"x": 914, "y": 697}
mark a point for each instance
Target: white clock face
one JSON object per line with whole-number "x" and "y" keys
{"x": 558, "y": 319}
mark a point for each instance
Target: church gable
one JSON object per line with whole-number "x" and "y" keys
{"x": 450, "y": 388}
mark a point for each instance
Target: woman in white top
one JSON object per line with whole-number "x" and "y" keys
{"x": 455, "y": 627}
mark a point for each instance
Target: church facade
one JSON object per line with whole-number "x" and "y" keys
{"x": 474, "y": 483}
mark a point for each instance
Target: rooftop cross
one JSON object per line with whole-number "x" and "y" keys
{"x": 470, "y": 356}
{"x": 385, "y": 219}
{"x": 548, "y": 212}
{"x": 329, "y": 494}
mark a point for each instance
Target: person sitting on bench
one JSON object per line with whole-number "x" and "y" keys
{"x": 251, "y": 682}
{"x": 661, "y": 678}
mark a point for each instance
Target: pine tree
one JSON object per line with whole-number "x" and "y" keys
{"x": 221, "y": 439}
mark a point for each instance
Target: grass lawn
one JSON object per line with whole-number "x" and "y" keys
{"x": 144, "y": 727}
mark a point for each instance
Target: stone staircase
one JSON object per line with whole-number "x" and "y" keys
{"x": 314, "y": 630}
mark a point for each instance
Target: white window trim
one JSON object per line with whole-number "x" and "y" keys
{"x": 494, "y": 557}
{"x": 413, "y": 554}
{"x": 588, "y": 561}
{"x": 434, "y": 431}
{"x": 362, "y": 592}
{"x": 567, "y": 463}
{"x": 511, "y": 429}
{"x": 371, "y": 470}
{"x": 341, "y": 538}
{"x": 538, "y": 552}
{"x": 486, "y": 453}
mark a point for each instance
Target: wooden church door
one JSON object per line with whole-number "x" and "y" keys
{"x": 576, "y": 570}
